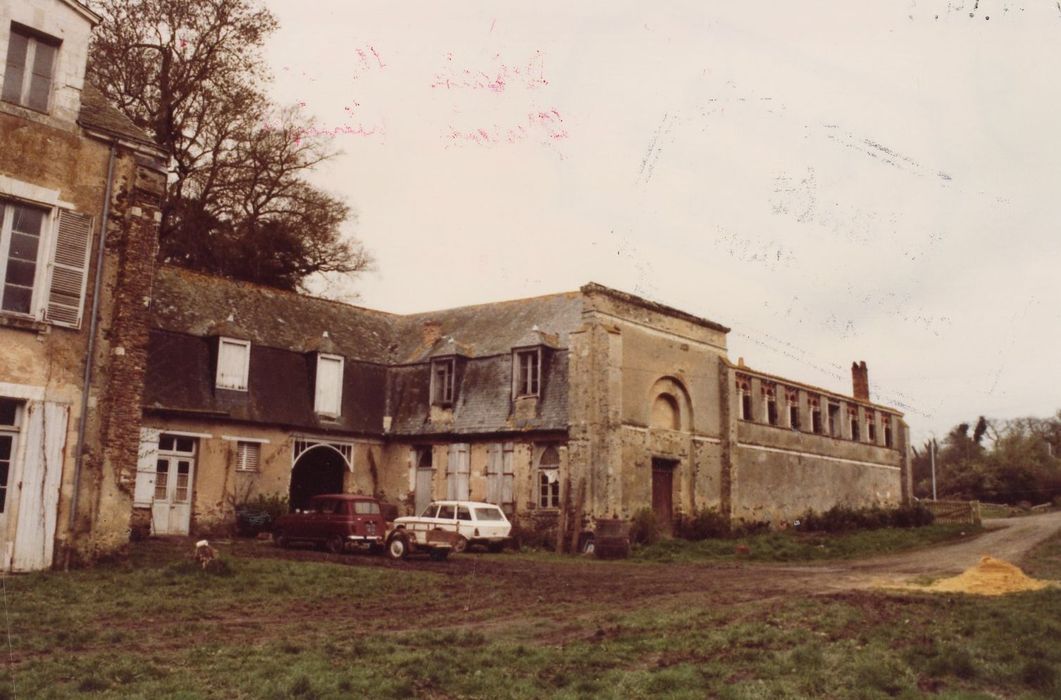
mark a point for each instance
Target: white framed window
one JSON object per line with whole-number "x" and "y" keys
{"x": 10, "y": 418}
{"x": 43, "y": 266}
{"x": 328, "y": 396}
{"x": 29, "y": 68}
{"x": 443, "y": 389}
{"x": 527, "y": 369}
{"x": 248, "y": 456}
{"x": 549, "y": 478}
{"x": 233, "y": 363}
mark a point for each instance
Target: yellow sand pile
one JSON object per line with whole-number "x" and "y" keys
{"x": 990, "y": 577}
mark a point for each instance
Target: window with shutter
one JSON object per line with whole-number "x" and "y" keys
{"x": 248, "y": 456}
{"x": 328, "y": 397}
{"x": 66, "y": 292}
{"x": 233, "y": 363}
{"x": 29, "y": 68}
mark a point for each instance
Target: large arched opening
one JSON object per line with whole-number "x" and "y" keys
{"x": 317, "y": 470}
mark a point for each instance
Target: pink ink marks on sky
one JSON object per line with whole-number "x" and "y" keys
{"x": 496, "y": 78}
{"x": 368, "y": 59}
{"x": 548, "y": 125}
{"x": 298, "y": 133}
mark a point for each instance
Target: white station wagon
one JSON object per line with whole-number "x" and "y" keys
{"x": 473, "y": 522}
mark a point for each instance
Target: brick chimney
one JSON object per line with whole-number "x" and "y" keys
{"x": 432, "y": 332}
{"x": 860, "y": 380}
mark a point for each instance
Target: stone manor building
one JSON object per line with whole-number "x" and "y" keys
{"x": 596, "y": 397}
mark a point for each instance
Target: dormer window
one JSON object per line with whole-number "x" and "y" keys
{"x": 28, "y": 73}
{"x": 443, "y": 382}
{"x": 527, "y": 371}
{"x": 233, "y": 363}
{"x": 328, "y": 396}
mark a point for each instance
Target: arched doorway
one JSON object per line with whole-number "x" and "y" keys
{"x": 317, "y": 470}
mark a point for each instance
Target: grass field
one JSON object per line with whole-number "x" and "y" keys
{"x": 308, "y": 625}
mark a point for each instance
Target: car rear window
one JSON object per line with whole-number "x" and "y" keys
{"x": 489, "y": 514}
{"x": 366, "y": 507}
{"x": 463, "y": 514}
{"x": 430, "y": 511}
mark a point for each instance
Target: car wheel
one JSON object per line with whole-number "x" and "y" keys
{"x": 280, "y": 540}
{"x": 397, "y": 546}
{"x": 439, "y": 554}
{"x": 460, "y": 545}
{"x": 495, "y": 547}
{"x": 336, "y": 545}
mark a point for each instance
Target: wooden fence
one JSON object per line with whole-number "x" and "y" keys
{"x": 955, "y": 511}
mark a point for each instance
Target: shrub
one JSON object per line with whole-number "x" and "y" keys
{"x": 842, "y": 518}
{"x": 644, "y": 529}
{"x": 259, "y": 515}
{"x": 706, "y": 524}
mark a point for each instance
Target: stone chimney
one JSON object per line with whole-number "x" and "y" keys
{"x": 432, "y": 332}
{"x": 860, "y": 380}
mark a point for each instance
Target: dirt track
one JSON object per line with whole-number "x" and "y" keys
{"x": 483, "y": 580}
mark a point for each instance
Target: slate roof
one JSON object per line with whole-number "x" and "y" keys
{"x": 99, "y": 114}
{"x": 200, "y": 305}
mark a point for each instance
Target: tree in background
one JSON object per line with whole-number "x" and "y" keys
{"x": 1022, "y": 463}
{"x": 191, "y": 74}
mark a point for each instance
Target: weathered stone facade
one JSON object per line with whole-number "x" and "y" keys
{"x": 57, "y": 161}
{"x": 596, "y": 399}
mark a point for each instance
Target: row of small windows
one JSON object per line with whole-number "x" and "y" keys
{"x": 825, "y": 414}
{"x": 526, "y": 377}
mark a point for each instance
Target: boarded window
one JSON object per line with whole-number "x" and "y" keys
{"x": 329, "y": 391}
{"x": 457, "y": 472}
{"x": 248, "y": 456}
{"x": 233, "y": 363}
{"x": 665, "y": 413}
{"x": 500, "y": 479}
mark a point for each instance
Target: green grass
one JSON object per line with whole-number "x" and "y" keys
{"x": 1044, "y": 561}
{"x": 798, "y": 546}
{"x": 159, "y": 628}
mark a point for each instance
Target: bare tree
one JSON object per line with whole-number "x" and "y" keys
{"x": 191, "y": 74}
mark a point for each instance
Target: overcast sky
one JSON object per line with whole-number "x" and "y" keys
{"x": 835, "y": 181}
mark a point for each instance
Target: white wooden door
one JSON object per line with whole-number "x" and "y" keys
{"x": 38, "y": 484}
{"x": 171, "y": 505}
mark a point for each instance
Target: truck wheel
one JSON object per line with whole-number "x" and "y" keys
{"x": 439, "y": 554}
{"x": 397, "y": 546}
{"x": 280, "y": 540}
{"x": 336, "y": 545}
{"x": 461, "y": 544}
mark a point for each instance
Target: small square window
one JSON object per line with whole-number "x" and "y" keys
{"x": 248, "y": 456}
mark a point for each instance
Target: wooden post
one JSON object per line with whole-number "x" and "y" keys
{"x": 576, "y": 528}
{"x": 561, "y": 524}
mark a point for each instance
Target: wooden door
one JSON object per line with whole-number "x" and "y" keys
{"x": 663, "y": 493}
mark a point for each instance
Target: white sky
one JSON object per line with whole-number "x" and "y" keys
{"x": 833, "y": 180}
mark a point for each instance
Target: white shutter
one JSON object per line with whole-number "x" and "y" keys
{"x": 463, "y": 472}
{"x": 493, "y": 473}
{"x": 508, "y": 476}
{"x": 233, "y": 361}
{"x": 146, "y": 467}
{"x": 69, "y": 269}
{"x": 38, "y": 485}
{"x": 248, "y": 456}
{"x": 328, "y": 397}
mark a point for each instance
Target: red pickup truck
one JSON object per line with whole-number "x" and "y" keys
{"x": 336, "y": 521}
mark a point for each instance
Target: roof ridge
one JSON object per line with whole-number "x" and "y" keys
{"x": 258, "y": 285}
